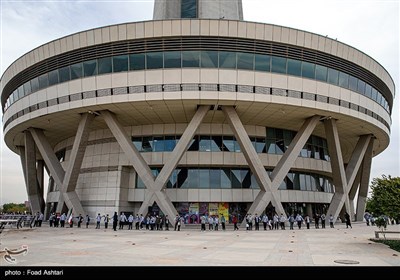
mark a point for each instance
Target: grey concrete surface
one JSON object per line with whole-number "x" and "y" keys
{"x": 191, "y": 247}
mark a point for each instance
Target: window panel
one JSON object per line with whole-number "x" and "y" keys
{"x": 63, "y": 74}
{"x": 147, "y": 144}
{"x": 209, "y": 59}
{"x": 278, "y": 64}
{"x": 204, "y": 178}
{"x": 76, "y": 71}
{"x": 245, "y": 61}
{"x": 172, "y": 59}
{"x": 321, "y": 73}
{"x": 104, "y": 65}
{"x": 262, "y": 62}
{"x": 43, "y": 81}
{"x": 353, "y": 83}
{"x": 190, "y": 59}
{"x": 90, "y": 68}
{"x": 170, "y": 143}
{"x": 53, "y": 77}
{"x": 361, "y": 87}
{"x": 137, "y": 61}
{"x": 308, "y": 70}
{"x": 158, "y": 143}
{"x": 343, "y": 80}
{"x": 294, "y": 67}
{"x": 120, "y": 63}
{"x": 215, "y": 178}
{"x": 189, "y": 9}
{"x": 35, "y": 84}
{"x": 227, "y": 60}
{"x": 27, "y": 88}
{"x": 154, "y": 60}
{"x": 333, "y": 76}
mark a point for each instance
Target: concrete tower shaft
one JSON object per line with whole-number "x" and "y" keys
{"x": 216, "y": 9}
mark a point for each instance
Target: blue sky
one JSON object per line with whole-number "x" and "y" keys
{"x": 370, "y": 26}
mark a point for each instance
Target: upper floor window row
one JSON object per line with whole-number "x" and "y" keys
{"x": 276, "y": 142}
{"x": 195, "y": 59}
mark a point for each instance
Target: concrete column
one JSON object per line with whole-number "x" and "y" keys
{"x": 309, "y": 210}
{"x": 293, "y": 151}
{"x": 173, "y": 160}
{"x": 338, "y": 172}
{"x": 74, "y": 166}
{"x": 31, "y": 176}
{"x": 48, "y": 155}
{"x": 132, "y": 154}
{"x": 139, "y": 164}
{"x": 364, "y": 181}
{"x": 21, "y": 150}
{"x": 353, "y": 190}
{"x": 40, "y": 183}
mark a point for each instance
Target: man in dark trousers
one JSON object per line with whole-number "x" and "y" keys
{"x": 115, "y": 221}
{"x": 347, "y": 219}
{"x": 177, "y": 220}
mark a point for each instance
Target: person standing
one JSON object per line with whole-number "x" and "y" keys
{"x": 347, "y": 219}
{"x": 63, "y": 217}
{"x": 299, "y": 220}
{"x": 98, "y": 220}
{"x": 307, "y": 219}
{"x": 223, "y": 222}
{"x": 166, "y": 222}
{"x": 106, "y": 220}
{"x": 323, "y": 217}
{"x": 257, "y": 222}
{"x": 87, "y": 221}
{"x": 291, "y": 221}
{"x": 177, "y": 220}
{"x": 130, "y": 222}
{"x": 265, "y": 221}
{"x": 115, "y": 221}
{"x": 235, "y": 221}
{"x": 331, "y": 221}
{"x": 80, "y": 219}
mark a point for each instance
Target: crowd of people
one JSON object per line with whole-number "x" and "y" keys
{"x": 212, "y": 222}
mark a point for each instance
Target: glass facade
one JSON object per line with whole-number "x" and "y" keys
{"x": 238, "y": 178}
{"x": 276, "y": 142}
{"x": 188, "y": 8}
{"x": 198, "y": 58}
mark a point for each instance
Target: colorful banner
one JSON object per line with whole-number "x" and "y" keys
{"x": 193, "y": 213}
{"x": 213, "y": 208}
{"x": 223, "y": 210}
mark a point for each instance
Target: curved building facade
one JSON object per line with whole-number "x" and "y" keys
{"x": 197, "y": 116}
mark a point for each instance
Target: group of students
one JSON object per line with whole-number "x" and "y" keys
{"x": 275, "y": 222}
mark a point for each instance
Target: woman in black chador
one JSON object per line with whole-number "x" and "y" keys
{"x": 115, "y": 221}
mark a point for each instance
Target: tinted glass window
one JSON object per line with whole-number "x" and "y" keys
{"x": 27, "y": 88}
{"x": 333, "y": 76}
{"x": 262, "y": 62}
{"x": 35, "y": 84}
{"x": 190, "y": 59}
{"x": 308, "y": 70}
{"x": 321, "y": 73}
{"x": 90, "y": 68}
{"x": 172, "y": 59}
{"x": 278, "y": 64}
{"x": 245, "y": 61}
{"x": 361, "y": 87}
{"x": 154, "y": 60}
{"x": 294, "y": 67}
{"x": 104, "y": 65}
{"x": 209, "y": 59}
{"x": 353, "y": 83}
{"x": 227, "y": 59}
{"x": 343, "y": 80}
{"x": 43, "y": 81}
{"x": 63, "y": 74}
{"x": 137, "y": 61}
{"x": 76, "y": 71}
{"x": 120, "y": 63}
{"x": 188, "y": 8}
{"x": 53, "y": 77}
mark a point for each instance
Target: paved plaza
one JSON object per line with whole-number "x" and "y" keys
{"x": 191, "y": 247}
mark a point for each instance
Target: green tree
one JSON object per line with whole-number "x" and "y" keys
{"x": 14, "y": 208}
{"x": 385, "y": 199}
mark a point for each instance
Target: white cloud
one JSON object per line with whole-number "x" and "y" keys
{"x": 370, "y": 26}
